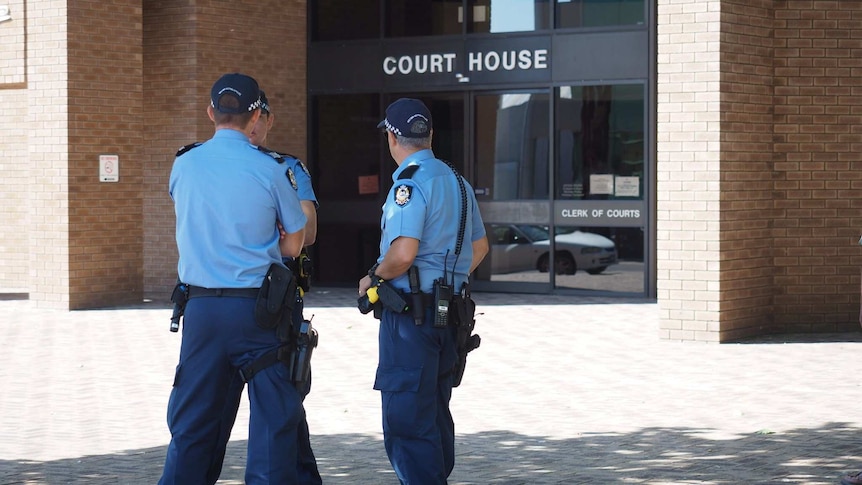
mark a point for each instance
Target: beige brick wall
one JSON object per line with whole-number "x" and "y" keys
{"x": 14, "y": 194}
{"x": 13, "y": 47}
{"x": 14, "y": 157}
{"x": 188, "y": 45}
{"x": 48, "y": 125}
{"x": 688, "y": 171}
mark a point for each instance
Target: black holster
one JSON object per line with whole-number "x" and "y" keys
{"x": 387, "y": 297}
{"x": 274, "y": 305}
{"x": 180, "y": 296}
{"x": 462, "y": 313}
{"x": 297, "y": 356}
{"x": 274, "y": 310}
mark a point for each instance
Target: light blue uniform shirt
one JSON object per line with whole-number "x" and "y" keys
{"x": 303, "y": 179}
{"x": 228, "y": 196}
{"x": 427, "y": 207}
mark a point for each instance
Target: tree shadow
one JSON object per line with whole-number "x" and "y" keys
{"x": 650, "y": 455}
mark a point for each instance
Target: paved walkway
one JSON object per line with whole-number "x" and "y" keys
{"x": 563, "y": 390}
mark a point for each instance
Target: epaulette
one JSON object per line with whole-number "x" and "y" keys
{"x": 279, "y": 157}
{"x": 408, "y": 172}
{"x": 187, "y": 148}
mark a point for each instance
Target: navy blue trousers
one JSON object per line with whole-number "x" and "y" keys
{"x": 418, "y": 430}
{"x": 306, "y": 464}
{"x": 219, "y": 337}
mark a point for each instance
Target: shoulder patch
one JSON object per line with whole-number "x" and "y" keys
{"x": 303, "y": 167}
{"x": 278, "y": 157}
{"x": 292, "y": 178}
{"x": 408, "y": 172}
{"x": 403, "y": 194}
{"x": 186, "y": 148}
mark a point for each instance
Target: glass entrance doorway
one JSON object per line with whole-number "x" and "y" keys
{"x": 525, "y": 146}
{"x": 526, "y": 153}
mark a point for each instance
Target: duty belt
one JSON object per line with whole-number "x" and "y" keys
{"x": 197, "y": 292}
{"x": 427, "y": 299}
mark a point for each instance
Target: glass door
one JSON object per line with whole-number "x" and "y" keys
{"x": 510, "y": 158}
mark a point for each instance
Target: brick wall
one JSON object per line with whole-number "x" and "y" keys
{"x": 174, "y": 115}
{"x": 188, "y": 45}
{"x": 781, "y": 156}
{"x": 105, "y": 117}
{"x": 746, "y": 201}
{"x": 14, "y": 196}
{"x": 13, "y": 47}
{"x": 688, "y": 169}
{"x": 48, "y": 143}
{"x": 14, "y": 165}
{"x": 818, "y": 163}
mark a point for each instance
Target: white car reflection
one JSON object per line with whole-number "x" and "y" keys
{"x": 524, "y": 247}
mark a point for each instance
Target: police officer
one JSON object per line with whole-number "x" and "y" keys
{"x": 420, "y": 227}
{"x": 236, "y": 215}
{"x": 307, "y": 471}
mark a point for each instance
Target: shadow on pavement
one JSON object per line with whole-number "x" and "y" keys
{"x": 652, "y": 455}
{"x": 805, "y": 338}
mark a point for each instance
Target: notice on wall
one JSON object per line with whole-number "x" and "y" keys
{"x": 368, "y": 184}
{"x": 601, "y": 184}
{"x": 109, "y": 168}
{"x": 572, "y": 191}
{"x": 627, "y": 186}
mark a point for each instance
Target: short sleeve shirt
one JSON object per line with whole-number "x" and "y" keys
{"x": 227, "y": 197}
{"x": 427, "y": 206}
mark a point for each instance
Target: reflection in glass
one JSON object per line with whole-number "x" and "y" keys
{"x": 600, "y": 142}
{"x": 508, "y": 16}
{"x": 611, "y": 258}
{"x": 511, "y": 146}
{"x": 413, "y": 18}
{"x": 356, "y": 157}
{"x": 524, "y": 247}
{"x": 344, "y": 19}
{"x": 599, "y": 13}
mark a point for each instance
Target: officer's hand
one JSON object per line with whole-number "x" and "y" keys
{"x": 281, "y": 232}
{"x": 364, "y": 284}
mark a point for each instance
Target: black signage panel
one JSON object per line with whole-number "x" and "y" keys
{"x": 601, "y": 55}
{"x": 340, "y": 67}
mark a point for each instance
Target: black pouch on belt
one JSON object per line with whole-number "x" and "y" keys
{"x": 276, "y": 296}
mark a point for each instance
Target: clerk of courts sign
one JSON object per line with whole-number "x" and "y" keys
{"x": 629, "y": 213}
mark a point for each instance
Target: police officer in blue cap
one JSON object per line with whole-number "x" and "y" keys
{"x": 237, "y": 213}
{"x": 297, "y": 172}
{"x": 428, "y": 213}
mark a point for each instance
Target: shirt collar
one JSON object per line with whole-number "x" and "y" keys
{"x": 230, "y": 134}
{"x": 413, "y": 159}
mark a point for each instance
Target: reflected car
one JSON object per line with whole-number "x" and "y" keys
{"x": 524, "y": 247}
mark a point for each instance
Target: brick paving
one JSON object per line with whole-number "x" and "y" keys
{"x": 563, "y": 390}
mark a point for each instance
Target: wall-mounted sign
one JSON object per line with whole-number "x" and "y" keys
{"x": 472, "y": 61}
{"x": 369, "y": 184}
{"x": 5, "y": 14}
{"x": 600, "y": 213}
{"x": 109, "y": 168}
